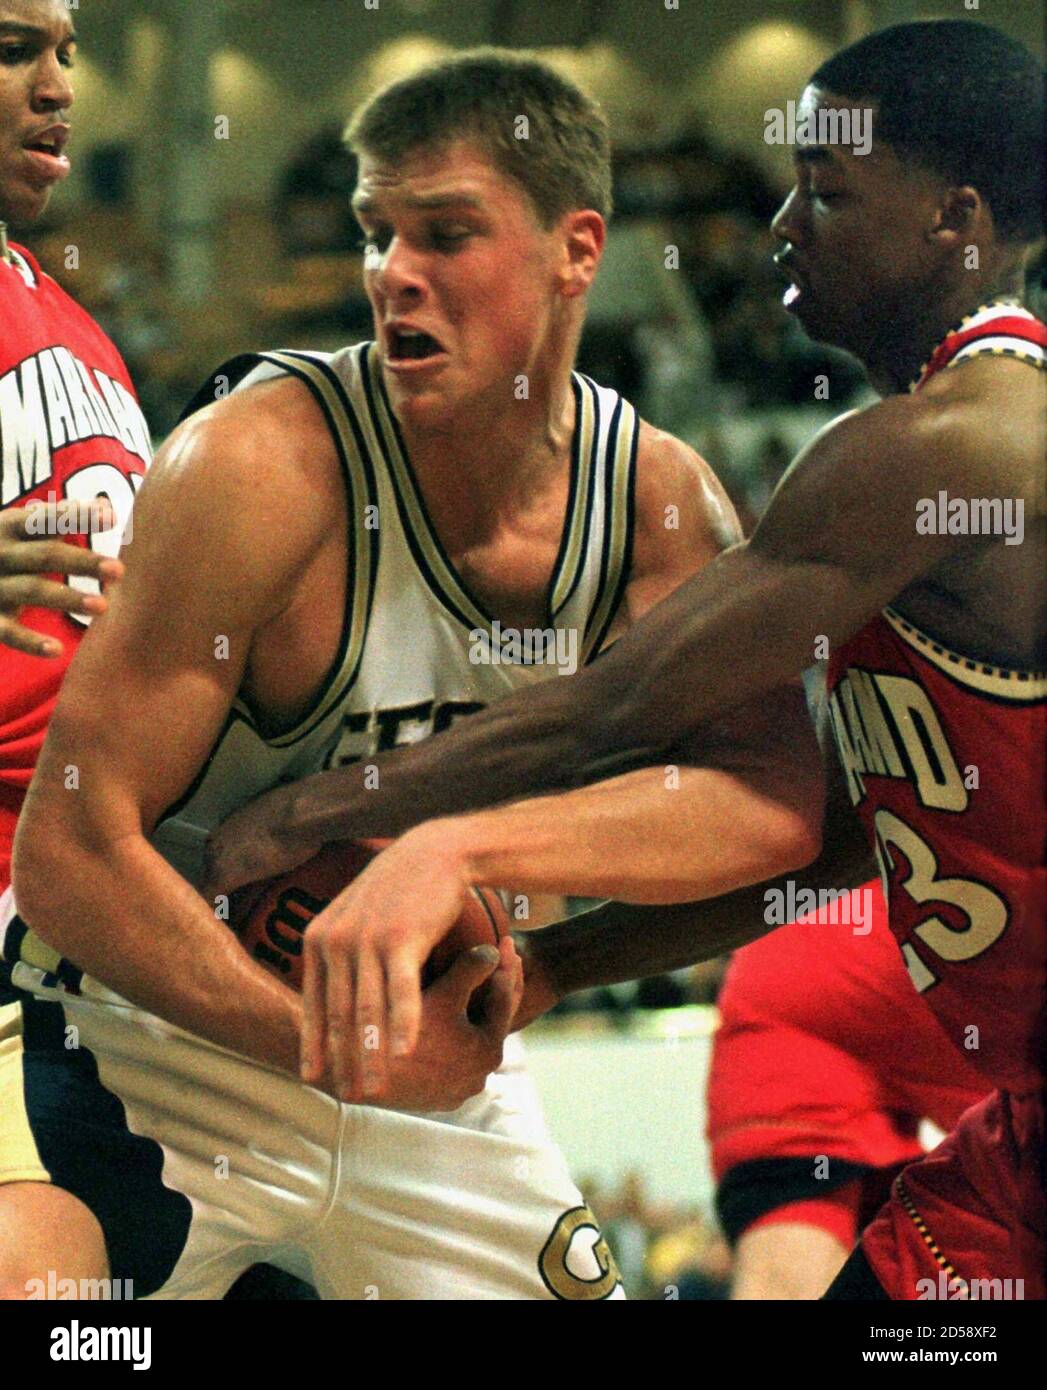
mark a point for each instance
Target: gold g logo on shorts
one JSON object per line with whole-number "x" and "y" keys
{"x": 563, "y": 1249}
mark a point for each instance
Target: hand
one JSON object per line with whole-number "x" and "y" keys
{"x": 466, "y": 1015}
{"x": 540, "y": 993}
{"x": 253, "y": 844}
{"x": 363, "y": 958}
{"x": 31, "y": 547}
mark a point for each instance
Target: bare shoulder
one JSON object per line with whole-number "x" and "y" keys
{"x": 991, "y": 414}
{"x": 976, "y": 429}
{"x": 272, "y": 434}
{"x": 238, "y": 499}
{"x": 678, "y": 494}
{"x": 683, "y": 520}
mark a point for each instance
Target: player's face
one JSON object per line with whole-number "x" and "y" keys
{"x": 854, "y": 232}
{"x": 462, "y": 281}
{"x": 37, "y": 45}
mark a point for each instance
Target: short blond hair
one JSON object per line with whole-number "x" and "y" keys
{"x": 563, "y": 164}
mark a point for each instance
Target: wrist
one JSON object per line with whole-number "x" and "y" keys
{"x": 443, "y": 846}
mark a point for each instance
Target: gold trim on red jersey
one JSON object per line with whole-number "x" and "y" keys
{"x": 1003, "y": 682}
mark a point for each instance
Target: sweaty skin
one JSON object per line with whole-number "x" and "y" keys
{"x": 262, "y": 463}
{"x": 878, "y": 253}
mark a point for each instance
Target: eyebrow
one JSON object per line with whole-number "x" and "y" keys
{"x": 31, "y": 31}
{"x": 422, "y": 203}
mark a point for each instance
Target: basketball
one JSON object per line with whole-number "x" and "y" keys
{"x": 270, "y": 918}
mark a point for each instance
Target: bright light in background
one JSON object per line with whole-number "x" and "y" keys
{"x": 764, "y": 67}
{"x": 638, "y": 107}
{"x": 266, "y": 121}
{"x": 395, "y": 60}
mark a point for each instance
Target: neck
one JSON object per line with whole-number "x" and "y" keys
{"x": 894, "y": 364}
{"x": 473, "y": 467}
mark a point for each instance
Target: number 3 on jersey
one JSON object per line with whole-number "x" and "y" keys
{"x": 85, "y": 485}
{"x": 986, "y": 912}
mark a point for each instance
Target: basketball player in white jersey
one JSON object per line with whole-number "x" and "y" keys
{"x": 334, "y": 557}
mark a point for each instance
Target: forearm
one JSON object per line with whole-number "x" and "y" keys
{"x": 617, "y": 942}
{"x": 659, "y": 835}
{"x": 714, "y": 643}
{"x": 125, "y": 917}
{"x": 479, "y": 763}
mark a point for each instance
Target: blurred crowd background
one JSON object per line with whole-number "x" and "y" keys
{"x": 209, "y": 214}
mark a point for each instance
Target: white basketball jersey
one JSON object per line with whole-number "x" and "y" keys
{"x": 418, "y": 651}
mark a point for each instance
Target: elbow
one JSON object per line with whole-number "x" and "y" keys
{"x": 36, "y": 879}
{"x": 797, "y": 843}
{"x": 29, "y": 882}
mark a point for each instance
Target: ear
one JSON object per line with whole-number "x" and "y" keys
{"x": 959, "y": 216}
{"x": 583, "y": 236}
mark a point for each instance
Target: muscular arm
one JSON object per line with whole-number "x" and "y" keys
{"x": 736, "y": 801}
{"x": 617, "y": 942}
{"x": 139, "y": 712}
{"x": 837, "y": 543}
{"x": 752, "y": 808}
{"x": 663, "y": 834}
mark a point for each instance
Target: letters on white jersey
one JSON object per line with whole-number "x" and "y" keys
{"x": 408, "y": 664}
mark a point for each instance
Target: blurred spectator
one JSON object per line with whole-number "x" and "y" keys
{"x": 312, "y": 201}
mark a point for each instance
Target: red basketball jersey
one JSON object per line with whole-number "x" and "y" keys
{"x": 946, "y": 759}
{"x": 70, "y": 427}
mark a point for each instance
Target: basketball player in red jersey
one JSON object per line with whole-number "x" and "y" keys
{"x": 913, "y": 536}
{"x": 70, "y": 432}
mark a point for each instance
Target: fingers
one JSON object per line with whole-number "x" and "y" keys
{"x": 24, "y": 639}
{"x": 503, "y": 994}
{"x": 27, "y": 591}
{"x": 466, "y": 974}
{"x": 65, "y": 518}
{"x": 57, "y": 557}
{"x": 314, "y": 1012}
{"x": 403, "y": 979}
{"x": 364, "y": 1047}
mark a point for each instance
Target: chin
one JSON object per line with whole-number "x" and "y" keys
{"x": 23, "y": 212}
{"x": 426, "y": 409}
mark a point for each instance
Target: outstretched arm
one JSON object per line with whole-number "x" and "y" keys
{"x": 617, "y": 942}
{"x": 715, "y": 815}
{"x": 837, "y": 543}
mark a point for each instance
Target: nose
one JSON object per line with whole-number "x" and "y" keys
{"x": 52, "y": 86}
{"x": 399, "y": 273}
{"x": 785, "y": 223}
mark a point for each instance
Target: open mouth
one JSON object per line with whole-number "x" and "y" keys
{"x": 410, "y": 345}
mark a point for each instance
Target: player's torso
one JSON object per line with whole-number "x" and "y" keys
{"x": 386, "y": 642}
{"x": 945, "y": 751}
{"x": 70, "y": 427}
